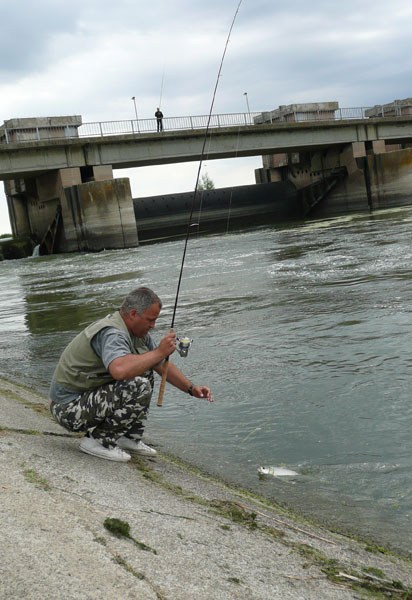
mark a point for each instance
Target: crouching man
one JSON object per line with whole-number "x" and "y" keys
{"x": 103, "y": 382}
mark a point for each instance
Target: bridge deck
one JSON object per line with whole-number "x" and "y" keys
{"x": 125, "y": 150}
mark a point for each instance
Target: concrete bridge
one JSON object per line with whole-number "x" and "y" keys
{"x": 23, "y": 157}
{"x": 58, "y": 169}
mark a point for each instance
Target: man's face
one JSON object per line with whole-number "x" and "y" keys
{"x": 141, "y": 324}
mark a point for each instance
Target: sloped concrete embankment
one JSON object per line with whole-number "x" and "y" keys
{"x": 193, "y": 537}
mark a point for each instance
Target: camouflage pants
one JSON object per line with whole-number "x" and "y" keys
{"x": 108, "y": 412}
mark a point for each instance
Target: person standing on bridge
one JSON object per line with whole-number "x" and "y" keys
{"x": 159, "y": 119}
{"x": 103, "y": 382}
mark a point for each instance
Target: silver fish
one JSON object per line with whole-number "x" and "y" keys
{"x": 276, "y": 471}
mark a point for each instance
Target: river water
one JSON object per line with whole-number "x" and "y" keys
{"x": 304, "y": 334}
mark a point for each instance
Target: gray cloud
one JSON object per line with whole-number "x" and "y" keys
{"x": 26, "y": 33}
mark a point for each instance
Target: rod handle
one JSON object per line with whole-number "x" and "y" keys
{"x": 163, "y": 382}
{"x": 164, "y": 377}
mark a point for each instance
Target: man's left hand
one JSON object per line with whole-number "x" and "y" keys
{"x": 202, "y": 391}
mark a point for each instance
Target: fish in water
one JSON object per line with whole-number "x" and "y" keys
{"x": 276, "y": 471}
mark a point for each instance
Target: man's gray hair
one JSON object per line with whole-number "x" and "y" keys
{"x": 140, "y": 300}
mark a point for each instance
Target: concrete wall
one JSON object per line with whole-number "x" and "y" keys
{"x": 306, "y": 111}
{"x": 33, "y": 203}
{"x": 379, "y": 175}
{"x": 37, "y": 128}
{"x": 396, "y": 108}
{"x": 391, "y": 178}
{"x": 98, "y": 215}
{"x": 390, "y": 182}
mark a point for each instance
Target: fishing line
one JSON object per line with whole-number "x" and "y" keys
{"x": 189, "y": 223}
{"x": 200, "y": 167}
{"x": 161, "y": 87}
{"x": 229, "y": 214}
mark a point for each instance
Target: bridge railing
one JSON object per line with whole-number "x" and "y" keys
{"x": 139, "y": 126}
{"x": 169, "y": 124}
{"x": 202, "y": 122}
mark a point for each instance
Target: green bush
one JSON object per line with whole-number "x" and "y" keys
{"x": 15, "y": 248}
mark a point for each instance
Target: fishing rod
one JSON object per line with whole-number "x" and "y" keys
{"x": 184, "y": 343}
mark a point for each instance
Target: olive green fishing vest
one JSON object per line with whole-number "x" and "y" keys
{"x": 79, "y": 367}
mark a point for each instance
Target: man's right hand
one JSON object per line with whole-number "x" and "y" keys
{"x": 167, "y": 344}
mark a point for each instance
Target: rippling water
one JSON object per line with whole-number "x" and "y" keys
{"x": 303, "y": 332}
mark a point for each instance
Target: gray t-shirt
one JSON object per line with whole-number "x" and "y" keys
{"x": 109, "y": 343}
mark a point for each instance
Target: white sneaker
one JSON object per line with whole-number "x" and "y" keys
{"x": 91, "y": 446}
{"x": 139, "y": 447}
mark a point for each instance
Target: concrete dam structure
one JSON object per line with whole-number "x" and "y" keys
{"x": 364, "y": 175}
{"x": 215, "y": 210}
{"x": 69, "y": 209}
{"x": 316, "y": 161}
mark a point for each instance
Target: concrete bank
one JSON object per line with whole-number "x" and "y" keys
{"x": 195, "y": 538}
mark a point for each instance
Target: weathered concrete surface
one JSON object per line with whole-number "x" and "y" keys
{"x": 54, "y": 501}
{"x": 98, "y": 215}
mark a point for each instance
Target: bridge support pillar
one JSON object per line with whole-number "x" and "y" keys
{"x": 97, "y": 211}
{"x": 99, "y": 216}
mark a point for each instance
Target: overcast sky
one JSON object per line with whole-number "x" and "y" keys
{"x": 89, "y": 57}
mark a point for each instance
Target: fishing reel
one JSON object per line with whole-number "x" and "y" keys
{"x": 183, "y": 345}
